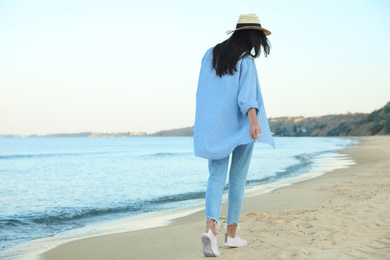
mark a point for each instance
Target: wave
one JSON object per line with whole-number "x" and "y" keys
{"x": 161, "y": 155}
{"x": 12, "y": 222}
{"x": 305, "y": 161}
{"x": 72, "y": 214}
{"x": 33, "y": 156}
{"x": 66, "y": 215}
{"x": 48, "y": 155}
{"x": 178, "y": 197}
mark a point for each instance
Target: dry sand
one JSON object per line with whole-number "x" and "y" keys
{"x": 344, "y": 214}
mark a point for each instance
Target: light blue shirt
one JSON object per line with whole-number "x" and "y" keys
{"x": 222, "y": 103}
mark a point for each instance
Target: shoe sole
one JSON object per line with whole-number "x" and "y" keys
{"x": 207, "y": 250}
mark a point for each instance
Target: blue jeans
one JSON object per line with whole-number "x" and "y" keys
{"x": 238, "y": 173}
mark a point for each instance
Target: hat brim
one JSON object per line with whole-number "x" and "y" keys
{"x": 266, "y": 32}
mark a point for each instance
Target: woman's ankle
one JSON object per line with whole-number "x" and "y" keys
{"x": 211, "y": 224}
{"x": 231, "y": 230}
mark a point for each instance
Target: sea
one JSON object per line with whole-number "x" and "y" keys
{"x": 53, "y": 185}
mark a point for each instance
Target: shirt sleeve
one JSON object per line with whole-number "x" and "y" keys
{"x": 247, "y": 93}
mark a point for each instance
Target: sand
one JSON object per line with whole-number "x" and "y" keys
{"x": 344, "y": 214}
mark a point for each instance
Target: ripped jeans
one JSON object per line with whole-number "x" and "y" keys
{"x": 239, "y": 166}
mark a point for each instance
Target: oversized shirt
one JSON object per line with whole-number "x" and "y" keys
{"x": 222, "y": 103}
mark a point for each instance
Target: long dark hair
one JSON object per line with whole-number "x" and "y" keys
{"x": 226, "y": 54}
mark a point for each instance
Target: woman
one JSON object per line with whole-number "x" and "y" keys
{"x": 230, "y": 117}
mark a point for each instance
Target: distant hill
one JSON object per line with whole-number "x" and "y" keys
{"x": 329, "y": 125}
{"x": 357, "y": 124}
{"x": 187, "y": 131}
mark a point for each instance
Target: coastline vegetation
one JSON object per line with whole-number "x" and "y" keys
{"x": 351, "y": 124}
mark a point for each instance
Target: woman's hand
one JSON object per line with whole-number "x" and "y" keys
{"x": 254, "y": 129}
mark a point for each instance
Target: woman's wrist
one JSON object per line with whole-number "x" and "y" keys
{"x": 252, "y": 116}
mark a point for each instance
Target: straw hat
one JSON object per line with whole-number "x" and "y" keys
{"x": 249, "y": 21}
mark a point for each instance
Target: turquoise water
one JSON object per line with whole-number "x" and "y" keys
{"x": 51, "y": 185}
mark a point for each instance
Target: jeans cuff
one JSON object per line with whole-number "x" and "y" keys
{"x": 217, "y": 223}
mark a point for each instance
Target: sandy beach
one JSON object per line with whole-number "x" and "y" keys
{"x": 344, "y": 214}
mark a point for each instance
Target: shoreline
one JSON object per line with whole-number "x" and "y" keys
{"x": 180, "y": 237}
{"x": 161, "y": 218}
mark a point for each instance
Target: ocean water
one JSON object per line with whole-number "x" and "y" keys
{"x": 49, "y": 185}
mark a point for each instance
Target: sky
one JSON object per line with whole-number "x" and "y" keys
{"x": 117, "y": 66}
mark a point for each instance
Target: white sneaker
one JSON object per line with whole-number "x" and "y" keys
{"x": 234, "y": 241}
{"x": 209, "y": 242}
